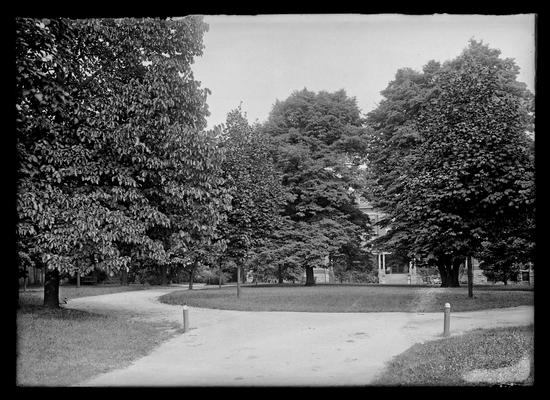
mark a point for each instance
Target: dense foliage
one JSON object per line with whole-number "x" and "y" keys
{"x": 319, "y": 146}
{"x": 116, "y": 171}
{"x": 113, "y": 166}
{"x": 254, "y": 185}
{"x": 451, "y": 163}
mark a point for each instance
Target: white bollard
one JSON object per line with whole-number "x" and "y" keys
{"x": 447, "y": 320}
{"x": 185, "y": 318}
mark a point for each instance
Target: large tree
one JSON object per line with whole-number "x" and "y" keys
{"x": 320, "y": 145}
{"x": 109, "y": 144}
{"x": 465, "y": 173}
{"x": 257, "y": 195}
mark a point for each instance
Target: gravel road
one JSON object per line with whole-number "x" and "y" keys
{"x": 242, "y": 348}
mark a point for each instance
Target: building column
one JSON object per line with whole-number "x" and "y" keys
{"x": 381, "y": 270}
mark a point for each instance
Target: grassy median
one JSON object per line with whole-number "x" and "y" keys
{"x": 349, "y": 298}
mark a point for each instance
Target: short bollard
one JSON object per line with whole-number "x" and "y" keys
{"x": 185, "y": 318}
{"x": 447, "y": 320}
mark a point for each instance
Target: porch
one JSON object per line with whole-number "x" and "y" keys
{"x": 396, "y": 271}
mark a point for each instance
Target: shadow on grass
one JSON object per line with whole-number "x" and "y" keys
{"x": 63, "y": 347}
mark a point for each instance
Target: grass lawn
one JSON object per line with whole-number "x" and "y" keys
{"x": 349, "y": 298}
{"x": 63, "y": 347}
{"x": 443, "y": 362}
{"x": 72, "y": 292}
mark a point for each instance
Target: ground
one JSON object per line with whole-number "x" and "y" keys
{"x": 241, "y": 348}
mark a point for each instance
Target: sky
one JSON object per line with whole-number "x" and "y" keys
{"x": 256, "y": 60}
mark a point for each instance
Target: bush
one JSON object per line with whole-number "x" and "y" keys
{"x": 501, "y": 272}
{"x": 429, "y": 274}
{"x": 365, "y": 277}
{"x": 357, "y": 277}
{"x": 70, "y": 277}
{"x": 212, "y": 277}
{"x": 148, "y": 275}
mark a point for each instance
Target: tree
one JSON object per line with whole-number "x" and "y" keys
{"x": 392, "y": 134}
{"x": 508, "y": 251}
{"x": 466, "y": 173}
{"x": 254, "y": 185}
{"x": 392, "y": 138}
{"x": 108, "y": 113}
{"x": 319, "y": 146}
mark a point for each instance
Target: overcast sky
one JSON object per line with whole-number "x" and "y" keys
{"x": 258, "y": 59}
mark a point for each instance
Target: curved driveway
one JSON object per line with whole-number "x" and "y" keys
{"x": 242, "y": 348}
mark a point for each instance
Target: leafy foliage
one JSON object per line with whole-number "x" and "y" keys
{"x": 508, "y": 252}
{"x": 319, "y": 147}
{"x": 254, "y": 185}
{"x": 459, "y": 169}
{"x": 114, "y": 169}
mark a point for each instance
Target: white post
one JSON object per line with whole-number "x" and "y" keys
{"x": 185, "y": 318}
{"x": 447, "y": 320}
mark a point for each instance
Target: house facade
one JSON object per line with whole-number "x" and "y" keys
{"x": 392, "y": 270}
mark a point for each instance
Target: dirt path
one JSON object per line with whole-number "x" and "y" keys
{"x": 423, "y": 299}
{"x": 240, "y": 348}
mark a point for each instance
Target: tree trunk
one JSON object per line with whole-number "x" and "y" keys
{"x": 280, "y": 275}
{"x": 51, "y": 288}
{"x": 443, "y": 274}
{"x": 124, "y": 277}
{"x": 470, "y": 277}
{"x": 454, "y": 272}
{"x": 220, "y": 278}
{"x": 449, "y": 271}
{"x": 310, "y": 278}
{"x": 192, "y": 275}
{"x": 77, "y": 279}
{"x": 163, "y": 275}
{"x": 238, "y": 279}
